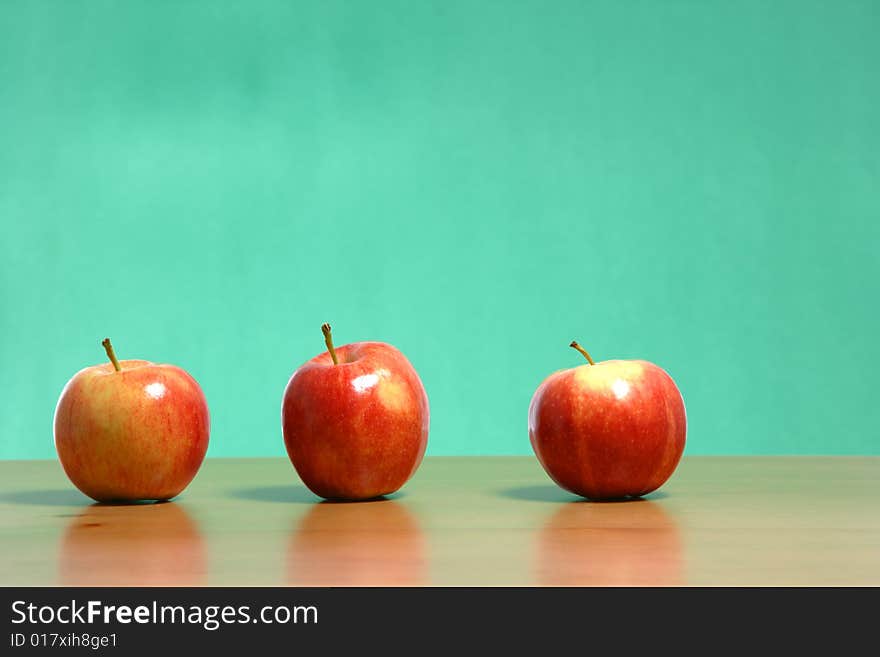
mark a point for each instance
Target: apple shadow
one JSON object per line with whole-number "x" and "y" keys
{"x": 557, "y": 495}
{"x": 381, "y": 498}
{"x": 67, "y": 497}
{"x": 293, "y": 495}
{"x": 133, "y": 502}
{"x": 285, "y": 494}
{"x": 59, "y": 497}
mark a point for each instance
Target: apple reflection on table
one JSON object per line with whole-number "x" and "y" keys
{"x": 372, "y": 543}
{"x": 153, "y": 544}
{"x": 627, "y": 543}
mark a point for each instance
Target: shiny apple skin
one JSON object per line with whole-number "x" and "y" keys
{"x": 356, "y": 430}
{"x": 611, "y": 430}
{"x": 137, "y": 434}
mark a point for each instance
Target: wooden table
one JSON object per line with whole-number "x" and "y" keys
{"x": 460, "y": 521}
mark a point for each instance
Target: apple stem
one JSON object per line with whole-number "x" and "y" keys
{"x": 575, "y": 345}
{"x": 111, "y": 354}
{"x": 328, "y": 340}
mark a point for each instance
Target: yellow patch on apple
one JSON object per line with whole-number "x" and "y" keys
{"x": 393, "y": 394}
{"x": 596, "y": 377}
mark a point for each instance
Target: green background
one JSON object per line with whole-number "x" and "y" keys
{"x": 478, "y": 183}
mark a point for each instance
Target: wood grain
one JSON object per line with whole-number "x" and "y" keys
{"x": 460, "y": 521}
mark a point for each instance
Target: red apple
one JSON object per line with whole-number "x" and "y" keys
{"x": 608, "y": 430}
{"x": 355, "y": 420}
{"x": 131, "y": 430}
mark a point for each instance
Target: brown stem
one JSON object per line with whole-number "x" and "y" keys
{"x": 575, "y": 345}
{"x": 328, "y": 340}
{"x": 111, "y": 354}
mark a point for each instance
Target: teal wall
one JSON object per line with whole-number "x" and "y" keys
{"x": 478, "y": 183}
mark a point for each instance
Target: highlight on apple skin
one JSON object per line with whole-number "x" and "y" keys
{"x": 355, "y": 420}
{"x": 608, "y": 430}
{"x": 131, "y": 430}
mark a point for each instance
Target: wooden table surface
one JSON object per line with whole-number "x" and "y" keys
{"x": 460, "y": 521}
